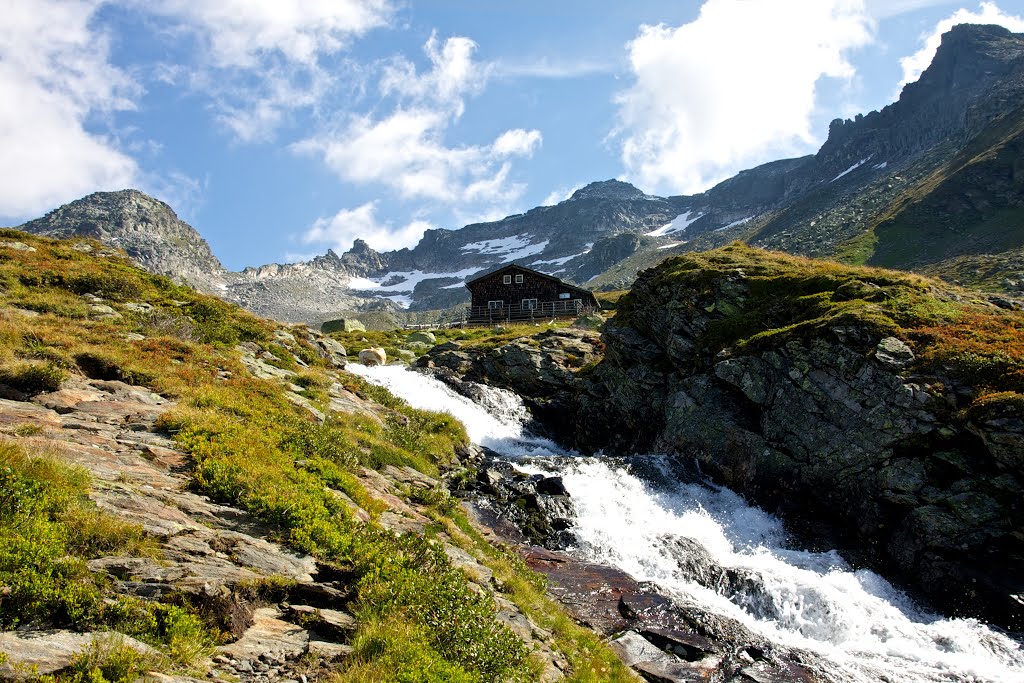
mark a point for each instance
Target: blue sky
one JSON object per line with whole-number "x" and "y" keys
{"x": 281, "y": 128}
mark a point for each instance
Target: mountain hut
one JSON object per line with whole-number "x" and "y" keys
{"x": 515, "y": 292}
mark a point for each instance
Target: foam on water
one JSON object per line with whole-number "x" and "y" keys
{"x": 496, "y": 422}
{"x": 855, "y": 619}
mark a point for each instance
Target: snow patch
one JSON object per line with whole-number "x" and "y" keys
{"x": 407, "y": 280}
{"x": 528, "y": 250}
{"x": 678, "y": 224}
{"x": 735, "y": 223}
{"x": 851, "y": 169}
{"x": 362, "y": 283}
{"x": 667, "y": 246}
{"x": 565, "y": 259}
{"x": 511, "y": 248}
{"x": 879, "y": 167}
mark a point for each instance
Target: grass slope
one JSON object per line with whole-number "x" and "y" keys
{"x": 420, "y": 618}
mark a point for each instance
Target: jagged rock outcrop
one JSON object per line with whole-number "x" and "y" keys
{"x": 539, "y": 368}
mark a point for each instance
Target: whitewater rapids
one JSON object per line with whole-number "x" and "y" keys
{"x": 854, "y": 619}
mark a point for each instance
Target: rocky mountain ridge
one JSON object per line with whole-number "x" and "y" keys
{"x": 942, "y": 160}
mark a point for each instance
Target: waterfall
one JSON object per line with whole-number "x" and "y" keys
{"x": 856, "y": 620}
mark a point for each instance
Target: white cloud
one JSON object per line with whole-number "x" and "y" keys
{"x": 405, "y": 149}
{"x": 517, "y": 142}
{"x": 731, "y": 89}
{"x": 545, "y": 67}
{"x": 340, "y": 230}
{"x": 260, "y": 60}
{"x": 240, "y": 33}
{"x": 453, "y": 75}
{"x": 987, "y": 13}
{"x": 55, "y": 79}
{"x": 559, "y": 195}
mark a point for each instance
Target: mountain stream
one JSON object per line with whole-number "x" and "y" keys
{"x": 863, "y": 627}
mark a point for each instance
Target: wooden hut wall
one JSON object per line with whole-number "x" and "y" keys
{"x": 492, "y": 288}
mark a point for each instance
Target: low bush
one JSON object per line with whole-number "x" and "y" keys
{"x": 33, "y": 378}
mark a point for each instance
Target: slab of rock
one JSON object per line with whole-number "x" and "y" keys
{"x": 327, "y": 622}
{"x": 893, "y": 353}
{"x": 34, "y": 653}
{"x": 268, "y": 633}
{"x": 16, "y": 413}
{"x": 67, "y": 399}
{"x": 18, "y": 246}
{"x": 326, "y": 649}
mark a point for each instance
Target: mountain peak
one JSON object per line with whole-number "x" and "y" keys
{"x": 146, "y": 228}
{"x": 972, "y": 51}
{"x": 608, "y": 189}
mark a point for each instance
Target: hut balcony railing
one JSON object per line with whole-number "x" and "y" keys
{"x": 542, "y": 309}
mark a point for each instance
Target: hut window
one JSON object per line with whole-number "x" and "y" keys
{"x": 492, "y": 305}
{"x": 519, "y": 279}
{"x": 507, "y": 280}
{"x": 563, "y": 295}
{"x": 529, "y": 304}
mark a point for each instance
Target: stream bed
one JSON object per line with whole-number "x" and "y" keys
{"x": 635, "y": 515}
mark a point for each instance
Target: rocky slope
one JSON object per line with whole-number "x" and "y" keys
{"x": 876, "y": 412}
{"x": 147, "y": 229}
{"x": 938, "y": 162}
{"x": 189, "y": 491}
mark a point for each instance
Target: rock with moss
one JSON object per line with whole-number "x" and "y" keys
{"x": 422, "y": 337}
{"x": 541, "y": 368}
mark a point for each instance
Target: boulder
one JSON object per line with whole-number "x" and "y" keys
{"x": 38, "y": 653}
{"x": 423, "y": 337}
{"x": 373, "y": 356}
{"x": 342, "y": 325}
{"x": 589, "y": 321}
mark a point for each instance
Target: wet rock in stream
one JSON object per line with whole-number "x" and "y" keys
{"x": 537, "y": 506}
{"x": 662, "y": 638}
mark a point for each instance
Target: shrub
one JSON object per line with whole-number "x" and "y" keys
{"x": 111, "y": 660}
{"x": 33, "y": 378}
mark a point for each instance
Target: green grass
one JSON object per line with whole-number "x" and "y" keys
{"x": 590, "y": 658}
{"x": 485, "y": 337}
{"x": 48, "y": 531}
{"x": 247, "y": 442}
{"x": 784, "y": 297}
{"x": 33, "y": 377}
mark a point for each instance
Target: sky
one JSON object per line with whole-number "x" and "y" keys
{"x": 282, "y": 128}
